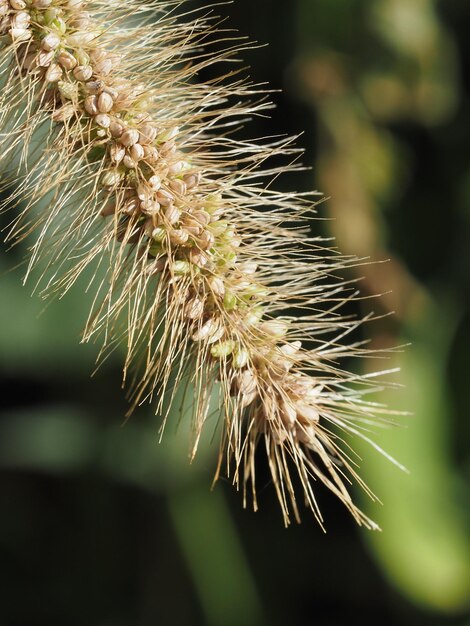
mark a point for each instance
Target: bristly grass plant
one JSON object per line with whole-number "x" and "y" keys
{"x": 102, "y": 113}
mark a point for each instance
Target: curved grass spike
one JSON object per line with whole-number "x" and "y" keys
{"x": 137, "y": 169}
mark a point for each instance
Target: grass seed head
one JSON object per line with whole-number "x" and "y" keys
{"x": 200, "y": 274}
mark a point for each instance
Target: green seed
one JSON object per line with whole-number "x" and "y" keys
{"x": 212, "y": 202}
{"x": 59, "y": 24}
{"x": 230, "y": 301}
{"x": 155, "y": 249}
{"x": 158, "y": 233}
{"x": 181, "y": 267}
{"x": 222, "y": 349}
{"x": 254, "y": 316}
{"x": 68, "y": 90}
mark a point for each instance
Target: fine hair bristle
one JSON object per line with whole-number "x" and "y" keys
{"x": 120, "y": 159}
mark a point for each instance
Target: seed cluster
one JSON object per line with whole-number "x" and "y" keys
{"x": 150, "y": 180}
{"x": 174, "y": 211}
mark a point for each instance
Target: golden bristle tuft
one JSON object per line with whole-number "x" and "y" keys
{"x": 121, "y": 159}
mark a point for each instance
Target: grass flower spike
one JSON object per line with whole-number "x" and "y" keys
{"x": 117, "y": 158}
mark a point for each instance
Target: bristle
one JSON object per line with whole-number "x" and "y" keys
{"x": 121, "y": 159}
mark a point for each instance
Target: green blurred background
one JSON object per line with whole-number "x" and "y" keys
{"x": 101, "y": 525}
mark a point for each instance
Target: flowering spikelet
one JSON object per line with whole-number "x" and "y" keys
{"x": 123, "y": 161}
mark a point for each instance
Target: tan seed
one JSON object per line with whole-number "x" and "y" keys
{"x": 190, "y": 222}
{"x": 194, "y": 231}
{"x": 248, "y": 268}
{"x": 150, "y": 154}
{"x": 104, "y": 67}
{"x": 176, "y": 168}
{"x": 21, "y": 20}
{"x": 103, "y": 120}
{"x": 18, "y": 5}
{"x": 20, "y": 34}
{"x": 240, "y": 358}
{"x": 289, "y": 349}
{"x": 129, "y": 162}
{"x": 54, "y": 73}
{"x": 105, "y": 103}
{"x": 67, "y": 60}
{"x": 165, "y": 197}
{"x": 194, "y": 309}
{"x": 50, "y": 42}
{"x": 275, "y": 328}
{"x": 123, "y": 101}
{"x": 116, "y": 129}
{"x": 216, "y": 335}
{"x": 117, "y": 153}
{"x": 94, "y": 86}
{"x": 217, "y": 214}
{"x": 156, "y": 266}
{"x": 179, "y": 237}
{"x": 172, "y": 214}
{"x": 45, "y": 58}
{"x": 81, "y": 21}
{"x": 205, "y": 330}
{"x": 306, "y": 434}
{"x": 248, "y": 398}
{"x": 129, "y": 137}
{"x": 83, "y": 73}
{"x": 148, "y": 134}
{"x": 108, "y": 209}
{"x": 155, "y": 182}
{"x": 98, "y": 54}
{"x": 150, "y": 207}
{"x": 136, "y": 152}
{"x": 91, "y": 105}
{"x": 178, "y": 186}
{"x": 192, "y": 180}
{"x": 246, "y": 382}
{"x": 202, "y": 217}
{"x": 217, "y": 286}
{"x": 149, "y": 228}
{"x": 288, "y": 412}
{"x": 143, "y": 192}
{"x": 198, "y": 258}
{"x": 206, "y": 240}
{"x": 168, "y": 148}
{"x": 64, "y": 113}
{"x": 307, "y": 412}
{"x": 81, "y": 39}
{"x": 132, "y": 206}
{"x": 112, "y": 92}
{"x": 242, "y": 285}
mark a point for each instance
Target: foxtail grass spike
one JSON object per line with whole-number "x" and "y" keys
{"x": 116, "y": 158}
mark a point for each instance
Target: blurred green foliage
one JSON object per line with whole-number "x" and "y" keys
{"x": 102, "y": 526}
{"x": 396, "y": 64}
